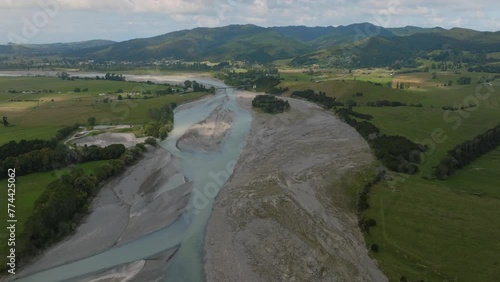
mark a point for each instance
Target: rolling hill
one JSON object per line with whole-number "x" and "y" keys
{"x": 386, "y": 51}
{"x": 356, "y": 45}
{"x": 410, "y": 30}
{"x": 53, "y": 48}
{"x": 234, "y": 42}
{"x": 320, "y": 37}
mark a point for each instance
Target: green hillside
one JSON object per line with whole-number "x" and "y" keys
{"x": 406, "y": 50}
{"x": 53, "y": 48}
{"x": 410, "y": 30}
{"x": 235, "y": 42}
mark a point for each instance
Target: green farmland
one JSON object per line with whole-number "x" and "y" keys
{"x": 45, "y": 113}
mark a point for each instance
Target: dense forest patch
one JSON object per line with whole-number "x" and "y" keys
{"x": 270, "y": 104}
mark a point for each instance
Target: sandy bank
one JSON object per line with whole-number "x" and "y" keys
{"x": 273, "y": 220}
{"x": 209, "y": 133}
{"x": 128, "y": 207}
{"x": 150, "y": 269}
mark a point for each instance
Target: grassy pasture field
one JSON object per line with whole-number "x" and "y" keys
{"x": 430, "y": 229}
{"x": 378, "y": 75}
{"x": 294, "y": 78}
{"x": 494, "y": 55}
{"x": 56, "y": 84}
{"x": 55, "y": 110}
{"x": 345, "y": 90}
{"x": 299, "y": 77}
{"x": 484, "y": 170}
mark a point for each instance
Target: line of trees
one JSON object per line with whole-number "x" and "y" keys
{"x": 264, "y": 80}
{"x": 385, "y": 103}
{"x": 64, "y": 76}
{"x": 163, "y": 121}
{"x": 66, "y": 131}
{"x": 197, "y": 87}
{"x": 48, "y": 158}
{"x": 113, "y": 77}
{"x": 463, "y": 154}
{"x": 397, "y": 153}
{"x": 349, "y": 111}
{"x": 24, "y": 100}
{"x": 320, "y": 98}
{"x": 167, "y": 91}
{"x": 464, "y": 80}
{"x": 446, "y": 108}
{"x": 365, "y": 224}
{"x": 362, "y": 204}
{"x": 402, "y": 85}
{"x": 29, "y": 156}
{"x": 31, "y": 91}
{"x": 36, "y": 161}
{"x": 485, "y": 68}
{"x": 270, "y": 104}
{"x": 366, "y": 129}
{"x": 14, "y": 149}
{"x": 277, "y": 90}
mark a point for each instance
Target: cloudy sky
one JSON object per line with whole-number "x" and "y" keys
{"x": 44, "y": 21}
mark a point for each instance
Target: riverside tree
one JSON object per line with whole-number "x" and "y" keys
{"x": 91, "y": 121}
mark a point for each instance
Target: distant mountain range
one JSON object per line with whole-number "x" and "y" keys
{"x": 53, "y": 48}
{"x": 457, "y": 45}
{"x": 362, "y": 44}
